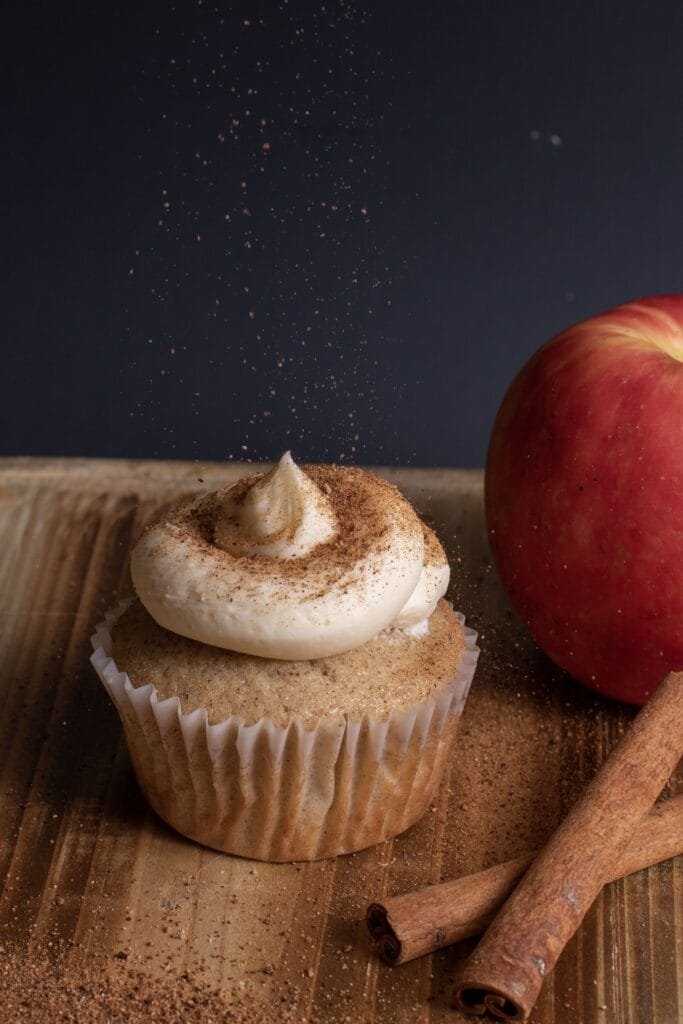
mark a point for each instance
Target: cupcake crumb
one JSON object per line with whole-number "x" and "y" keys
{"x": 393, "y": 670}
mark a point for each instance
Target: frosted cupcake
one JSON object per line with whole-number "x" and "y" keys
{"x": 290, "y": 679}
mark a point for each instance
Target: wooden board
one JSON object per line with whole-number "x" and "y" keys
{"x": 81, "y": 855}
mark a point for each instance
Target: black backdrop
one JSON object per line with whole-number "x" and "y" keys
{"x": 235, "y": 228}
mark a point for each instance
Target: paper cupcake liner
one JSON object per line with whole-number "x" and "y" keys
{"x": 292, "y": 793}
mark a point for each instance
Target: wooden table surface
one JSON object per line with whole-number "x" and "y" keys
{"x": 81, "y": 855}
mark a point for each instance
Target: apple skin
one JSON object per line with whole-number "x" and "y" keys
{"x": 584, "y": 497}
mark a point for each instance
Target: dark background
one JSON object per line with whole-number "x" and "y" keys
{"x": 231, "y": 229}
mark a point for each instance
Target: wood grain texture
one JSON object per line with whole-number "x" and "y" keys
{"x": 81, "y": 855}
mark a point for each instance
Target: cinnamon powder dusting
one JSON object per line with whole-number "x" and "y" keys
{"x": 60, "y": 983}
{"x": 363, "y": 503}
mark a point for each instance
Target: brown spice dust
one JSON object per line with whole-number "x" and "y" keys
{"x": 62, "y": 984}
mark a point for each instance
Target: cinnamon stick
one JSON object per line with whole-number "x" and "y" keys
{"x": 504, "y": 975}
{"x": 417, "y": 923}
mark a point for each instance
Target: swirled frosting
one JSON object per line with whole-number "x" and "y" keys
{"x": 293, "y": 564}
{"x": 283, "y": 514}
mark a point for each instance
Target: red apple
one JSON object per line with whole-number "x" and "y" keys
{"x": 584, "y": 497}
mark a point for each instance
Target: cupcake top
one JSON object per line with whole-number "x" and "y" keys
{"x": 294, "y": 564}
{"x": 392, "y": 670}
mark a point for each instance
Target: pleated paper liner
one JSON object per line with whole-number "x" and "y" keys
{"x": 284, "y": 794}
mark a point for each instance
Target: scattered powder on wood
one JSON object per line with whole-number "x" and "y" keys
{"x": 63, "y": 984}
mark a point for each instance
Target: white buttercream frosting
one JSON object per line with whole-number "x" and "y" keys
{"x": 431, "y": 586}
{"x": 293, "y": 564}
{"x": 284, "y": 515}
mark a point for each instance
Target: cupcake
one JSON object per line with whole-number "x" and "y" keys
{"x": 289, "y": 677}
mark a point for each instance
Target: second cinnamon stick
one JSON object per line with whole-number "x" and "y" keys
{"x": 417, "y": 923}
{"x": 504, "y": 974}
